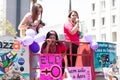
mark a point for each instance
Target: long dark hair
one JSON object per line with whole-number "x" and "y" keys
{"x": 115, "y": 77}
{"x": 51, "y": 32}
{"x": 69, "y": 15}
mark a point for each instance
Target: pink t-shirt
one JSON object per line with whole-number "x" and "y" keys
{"x": 70, "y": 37}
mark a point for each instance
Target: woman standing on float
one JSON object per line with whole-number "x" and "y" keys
{"x": 71, "y": 34}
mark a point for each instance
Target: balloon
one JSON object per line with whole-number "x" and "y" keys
{"x": 88, "y": 38}
{"x": 30, "y": 32}
{"x": 34, "y": 47}
{"x": 39, "y": 38}
{"x": 27, "y": 40}
{"x": 94, "y": 45}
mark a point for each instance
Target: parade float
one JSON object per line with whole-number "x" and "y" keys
{"x": 16, "y": 53}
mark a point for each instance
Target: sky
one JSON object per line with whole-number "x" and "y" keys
{"x": 56, "y": 11}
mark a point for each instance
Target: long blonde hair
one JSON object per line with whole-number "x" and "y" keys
{"x": 35, "y": 8}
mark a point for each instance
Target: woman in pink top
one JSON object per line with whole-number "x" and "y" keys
{"x": 71, "y": 34}
{"x": 53, "y": 46}
{"x": 32, "y": 20}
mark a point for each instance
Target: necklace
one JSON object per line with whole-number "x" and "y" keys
{"x": 53, "y": 49}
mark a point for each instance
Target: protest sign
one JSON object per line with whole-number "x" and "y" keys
{"x": 50, "y": 66}
{"x": 80, "y": 73}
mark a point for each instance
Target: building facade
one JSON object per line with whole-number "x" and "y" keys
{"x": 13, "y": 11}
{"x": 105, "y": 21}
{"x": 2, "y": 16}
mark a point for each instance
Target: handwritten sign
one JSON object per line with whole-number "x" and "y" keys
{"x": 80, "y": 73}
{"x": 50, "y": 66}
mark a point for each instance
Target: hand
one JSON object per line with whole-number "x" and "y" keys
{"x": 36, "y": 22}
{"x": 77, "y": 20}
{"x": 49, "y": 41}
{"x": 40, "y": 26}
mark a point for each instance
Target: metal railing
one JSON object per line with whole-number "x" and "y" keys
{"x": 85, "y": 57}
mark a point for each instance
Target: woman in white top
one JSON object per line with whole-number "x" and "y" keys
{"x": 32, "y": 20}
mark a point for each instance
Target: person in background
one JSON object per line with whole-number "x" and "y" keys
{"x": 71, "y": 34}
{"x": 114, "y": 78}
{"x": 111, "y": 73}
{"x": 32, "y": 20}
{"x": 53, "y": 45}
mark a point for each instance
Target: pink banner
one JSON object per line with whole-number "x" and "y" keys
{"x": 50, "y": 66}
{"x": 80, "y": 73}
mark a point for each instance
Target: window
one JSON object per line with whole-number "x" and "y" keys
{"x": 113, "y": 2}
{"x": 103, "y": 37}
{"x": 93, "y": 6}
{"x": 93, "y": 22}
{"x": 113, "y": 18}
{"x": 114, "y": 36}
{"x": 103, "y": 21}
{"x": 103, "y": 4}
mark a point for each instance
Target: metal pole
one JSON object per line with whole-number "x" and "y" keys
{"x": 69, "y": 5}
{"x": 18, "y": 14}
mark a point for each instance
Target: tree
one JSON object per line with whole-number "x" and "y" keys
{"x": 7, "y": 28}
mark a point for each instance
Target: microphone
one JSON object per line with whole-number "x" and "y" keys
{"x": 77, "y": 20}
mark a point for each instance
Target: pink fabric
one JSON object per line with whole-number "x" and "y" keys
{"x": 69, "y": 37}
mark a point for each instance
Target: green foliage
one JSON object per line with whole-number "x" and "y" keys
{"x": 9, "y": 29}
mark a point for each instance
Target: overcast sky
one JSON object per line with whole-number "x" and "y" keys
{"x": 56, "y": 11}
